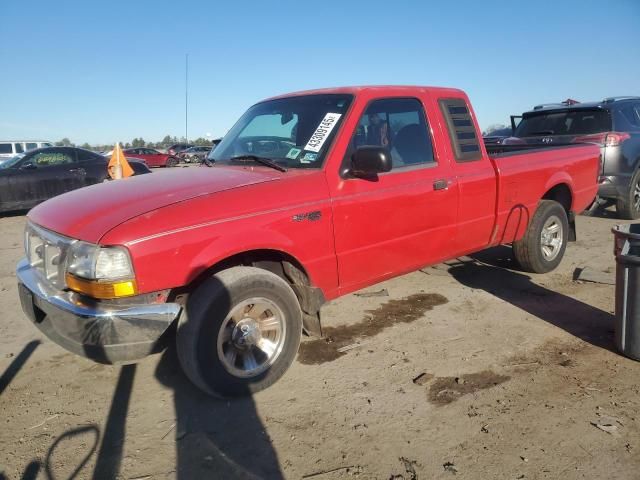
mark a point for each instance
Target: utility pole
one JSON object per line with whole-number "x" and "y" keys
{"x": 186, "y": 99}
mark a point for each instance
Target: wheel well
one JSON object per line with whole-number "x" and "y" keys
{"x": 561, "y": 193}
{"x": 286, "y": 267}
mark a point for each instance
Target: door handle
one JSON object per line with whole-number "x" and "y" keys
{"x": 80, "y": 171}
{"x": 441, "y": 184}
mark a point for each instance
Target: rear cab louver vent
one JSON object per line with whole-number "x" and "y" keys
{"x": 462, "y": 132}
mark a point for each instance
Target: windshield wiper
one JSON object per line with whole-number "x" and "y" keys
{"x": 262, "y": 160}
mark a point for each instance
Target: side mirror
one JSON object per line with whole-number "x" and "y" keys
{"x": 28, "y": 166}
{"x": 369, "y": 161}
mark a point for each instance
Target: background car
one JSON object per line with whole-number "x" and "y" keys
{"x": 33, "y": 177}
{"x": 194, "y": 154}
{"x": 613, "y": 123}
{"x": 496, "y": 137}
{"x": 177, "y": 148}
{"x": 9, "y": 148}
{"x": 152, "y": 157}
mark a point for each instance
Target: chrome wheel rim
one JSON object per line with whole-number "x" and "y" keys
{"x": 551, "y": 238}
{"x": 251, "y": 337}
{"x": 636, "y": 196}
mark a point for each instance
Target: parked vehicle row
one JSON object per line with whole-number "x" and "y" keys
{"x": 197, "y": 153}
{"x": 310, "y": 196}
{"x": 152, "y": 157}
{"x": 176, "y": 148}
{"x": 30, "y": 178}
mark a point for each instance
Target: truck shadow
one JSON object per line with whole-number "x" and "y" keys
{"x": 216, "y": 438}
{"x": 489, "y": 273}
{"x": 112, "y": 445}
{"x": 17, "y": 364}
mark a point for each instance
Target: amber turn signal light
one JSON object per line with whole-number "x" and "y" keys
{"x": 101, "y": 289}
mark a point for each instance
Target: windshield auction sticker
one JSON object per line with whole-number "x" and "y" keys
{"x": 322, "y": 132}
{"x": 293, "y": 153}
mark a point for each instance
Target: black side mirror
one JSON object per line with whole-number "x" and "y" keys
{"x": 28, "y": 166}
{"x": 369, "y": 161}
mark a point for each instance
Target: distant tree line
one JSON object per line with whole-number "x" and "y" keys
{"x": 137, "y": 142}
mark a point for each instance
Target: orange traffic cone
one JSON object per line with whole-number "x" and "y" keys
{"x": 118, "y": 165}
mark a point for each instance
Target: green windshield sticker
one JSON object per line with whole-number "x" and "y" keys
{"x": 309, "y": 157}
{"x": 293, "y": 153}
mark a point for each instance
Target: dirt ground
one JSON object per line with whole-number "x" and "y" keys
{"x": 471, "y": 370}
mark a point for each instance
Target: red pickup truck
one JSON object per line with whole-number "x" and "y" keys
{"x": 309, "y": 196}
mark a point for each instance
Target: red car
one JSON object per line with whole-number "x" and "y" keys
{"x": 152, "y": 157}
{"x": 310, "y": 196}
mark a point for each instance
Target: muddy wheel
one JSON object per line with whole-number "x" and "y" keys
{"x": 543, "y": 245}
{"x": 628, "y": 207}
{"x": 239, "y": 332}
{"x": 172, "y": 162}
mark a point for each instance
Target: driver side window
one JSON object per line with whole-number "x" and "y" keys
{"x": 400, "y": 125}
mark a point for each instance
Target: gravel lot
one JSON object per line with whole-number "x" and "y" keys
{"x": 472, "y": 370}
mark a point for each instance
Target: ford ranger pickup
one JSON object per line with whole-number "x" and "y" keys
{"x": 308, "y": 197}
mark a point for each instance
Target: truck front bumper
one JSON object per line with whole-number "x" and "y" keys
{"x": 105, "y": 334}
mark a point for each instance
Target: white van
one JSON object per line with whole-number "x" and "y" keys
{"x": 11, "y": 148}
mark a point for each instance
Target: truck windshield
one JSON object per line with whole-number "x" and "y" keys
{"x": 294, "y": 132}
{"x": 567, "y": 122}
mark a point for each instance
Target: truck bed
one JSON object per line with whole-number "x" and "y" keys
{"x": 525, "y": 172}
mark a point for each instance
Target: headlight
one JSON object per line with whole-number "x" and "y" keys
{"x": 81, "y": 261}
{"x": 92, "y": 262}
{"x": 100, "y": 272}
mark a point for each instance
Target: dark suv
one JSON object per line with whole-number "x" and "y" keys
{"x": 613, "y": 123}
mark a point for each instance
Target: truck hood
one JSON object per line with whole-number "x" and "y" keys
{"x": 89, "y": 213}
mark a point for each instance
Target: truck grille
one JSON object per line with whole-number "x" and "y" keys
{"x": 47, "y": 253}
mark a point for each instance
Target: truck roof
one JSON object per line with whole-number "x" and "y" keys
{"x": 379, "y": 89}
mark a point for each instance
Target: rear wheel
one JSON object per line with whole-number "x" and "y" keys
{"x": 239, "y": 332}
{"x": 172, "y": 162}
{"x": 544, "y": 243}
{"x": 628, "y": 207}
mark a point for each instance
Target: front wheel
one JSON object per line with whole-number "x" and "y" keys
{"x": 628, "y": 207}
{"x": 172, "y": 162}
{"x": 544, "y": 243}
{"x": 239, "y": 332}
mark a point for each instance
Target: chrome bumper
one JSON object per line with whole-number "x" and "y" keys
{"x": 106, "y": 334}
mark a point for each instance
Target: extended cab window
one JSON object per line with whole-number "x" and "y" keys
{"x": 400, "y": 125}
{"x": 294, "y": 132}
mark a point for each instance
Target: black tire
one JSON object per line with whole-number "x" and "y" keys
{"x": 530, "y": 252}
{"x": 628, "y": 208}
{"x": 172, "y": 162}
{"x": 201, "y": 324}
{"x": 594, "y": 208}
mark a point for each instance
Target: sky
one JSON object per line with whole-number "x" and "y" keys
{"x": 101, "y": 72}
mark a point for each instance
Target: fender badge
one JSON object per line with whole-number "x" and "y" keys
{"x": 310, "y": 216}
